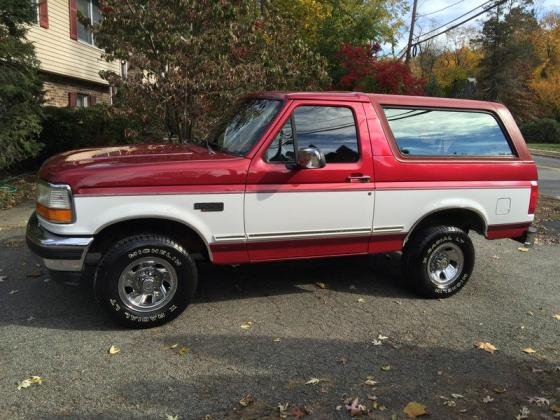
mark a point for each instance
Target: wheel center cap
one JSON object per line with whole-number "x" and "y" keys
{"x": 148, "y": 285}
{"x": 441, "y": 261}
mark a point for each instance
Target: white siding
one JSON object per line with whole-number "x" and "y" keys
{"x": 60, "y": 54}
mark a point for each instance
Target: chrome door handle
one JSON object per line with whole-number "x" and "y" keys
{"x": 358, "y": 178}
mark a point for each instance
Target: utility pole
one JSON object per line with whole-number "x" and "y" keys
{"x": 411, "y": 33}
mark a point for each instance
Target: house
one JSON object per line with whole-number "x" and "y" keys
{"x": 69, "y": 60}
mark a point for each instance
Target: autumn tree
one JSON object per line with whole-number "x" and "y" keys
{"x": 189, "y": 60}
{"x": 326, "y": 24}
{"x": 364, "y": 71}
{"x": 20, "y": 86}
{"x": 509, "y": 57}
{"x": 546, "y": 76}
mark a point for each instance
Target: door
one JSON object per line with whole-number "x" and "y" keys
{"x": 300, "y": 213}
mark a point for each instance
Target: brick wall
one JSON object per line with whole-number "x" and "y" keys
{"x": 56, "y": 90}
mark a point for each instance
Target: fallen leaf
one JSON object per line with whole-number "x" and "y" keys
{"x": 13, "y": 292}
{"x": 2, "y": 278}
{"x": 500, "y": 390}
{"x": 539, "y": 401}
{"x": 246, "y": 400}
{"x": 183, "y": 350}
{"x": 528, "y": 350}
{"x": 283, "y": 407}
{"x": 530, "y": 313}
{"x": 376, "y": 342}
{"x": 487, "y": 399}
{"x": 113, "y": 350}
{"x": 36, "y": 273}
{"x": 276, "y": 340}
{"x": 457, "y": 396}
{"x": 246, "y": 325}
{"x": 556, "y": 316}
{"x": 354, "y": 408}
{"x": 170, "y": 417}
{"x": 486, "y": 346}
{"x": 26, "y": 383}
{"x": 382, "y": 337}
{"x": 523, "y": 249}
{"x": 415, "y": 409}
{"x": 386, "y": 368}
{"x": 523, "y": 414}
{"x": 313, "y": 381}
{"x": 361, "y": 300}
{"x": 299, "y": 412}
{"x": 450, "y": 403}
{"x": 321, "y": 285}
{"x": 496, "y": 257}
{"x": 537, "y": 370}
{"x": 555, "y": 408}
{"x": 370, "y": 381}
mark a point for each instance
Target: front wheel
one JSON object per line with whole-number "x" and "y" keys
{"x": 438, "y": 261}
{"x": 146, "y": 280}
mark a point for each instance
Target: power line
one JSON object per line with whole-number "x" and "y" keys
{"x": 460, "y": 23}
{"x": 458, "y": 17}
{"x": 441, "y": 10}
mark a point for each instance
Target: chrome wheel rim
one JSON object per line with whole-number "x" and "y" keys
{"x": 445, "y": 264}
{"x": 147, "y": 284}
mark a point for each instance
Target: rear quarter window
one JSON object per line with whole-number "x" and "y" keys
{"x": 447, "y": 133}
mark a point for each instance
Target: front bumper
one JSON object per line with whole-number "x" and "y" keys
{"x": 59, "y": 253}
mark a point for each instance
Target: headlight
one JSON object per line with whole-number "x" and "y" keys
{"x": 54, "y": 203}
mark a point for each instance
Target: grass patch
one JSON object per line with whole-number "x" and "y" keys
{"x": 552, "y": 147}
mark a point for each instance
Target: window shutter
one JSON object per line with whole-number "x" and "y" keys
{"x": 92, "y": 100}
{"x": 43, "y": 14}
{"x": 72, "y": 99}
{"x": 73, "y": 15}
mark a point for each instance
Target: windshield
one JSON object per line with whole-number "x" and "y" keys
{"x": 239, "y": 130}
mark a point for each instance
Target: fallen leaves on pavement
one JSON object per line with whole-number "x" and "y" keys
{"x": 556, "y": 316}
{"x": 183, "y": 350}
{"x": 13, "y": 292}
{"x": 486, "y": 346}
{"x": 539, "y": 401}
{"x": 313, "y": 381}
{"x": 113, "y": 350}
{"x": 2, "y": 278}
{"x": 174, "y": 346}
{"x": 487, "y": 399}
{"x": 170, "y": 417}
{"x": 26, "y": 383}
{"x": 354, "y": 408}
{"x": 321, "y": 285}
{"x": 415, "y": 409}
{"x": 523, "y": 414}
{"x": 246, "y": 400}
{"x": 386, "y": 368}
{"x": 246, "y": 325}
{"x": 523, "y": 249}
{"x": 528, "y": 350}
{"x": 299, "y": 412}
{"x": 370, "y": 381}
{"x": 361, "y": 300}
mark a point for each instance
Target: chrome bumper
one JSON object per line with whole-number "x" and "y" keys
{"x": 59, "y": 253}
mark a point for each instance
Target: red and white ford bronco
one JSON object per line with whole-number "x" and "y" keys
{"x": 287, "y": 176}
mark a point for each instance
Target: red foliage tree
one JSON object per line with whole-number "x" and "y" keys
{"x": 364, "y": 71}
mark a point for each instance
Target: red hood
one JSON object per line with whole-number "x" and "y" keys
{"x": 143, "y": 165}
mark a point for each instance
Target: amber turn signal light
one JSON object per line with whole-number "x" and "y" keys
{"x": 54, "y": 215}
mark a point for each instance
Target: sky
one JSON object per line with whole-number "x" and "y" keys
{"x": 431, "y": 16}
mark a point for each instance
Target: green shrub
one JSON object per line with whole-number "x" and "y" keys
{"x": 99, "y": 125}
{"x": 545, "y": 130}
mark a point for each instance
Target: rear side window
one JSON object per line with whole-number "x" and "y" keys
{"x": 432, "y": 132}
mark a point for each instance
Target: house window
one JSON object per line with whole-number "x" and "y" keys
{"x": 82, "y": 100}
{"x": 40, "y": 7}
{"x": 87, "y": 14}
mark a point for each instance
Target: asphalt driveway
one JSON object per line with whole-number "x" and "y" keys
{"x": 267, "y": 330}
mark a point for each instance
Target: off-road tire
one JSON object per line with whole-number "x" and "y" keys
{"x": 418, "y": 260}
{"x": 137, "y": 248}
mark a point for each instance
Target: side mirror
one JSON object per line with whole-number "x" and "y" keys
{"x": 310, "y": 158}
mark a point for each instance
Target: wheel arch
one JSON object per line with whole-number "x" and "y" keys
{"x": 185, "y": 234}
{"x": 465, "y": 218}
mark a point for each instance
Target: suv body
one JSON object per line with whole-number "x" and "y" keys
{"x": 288, "y": 176}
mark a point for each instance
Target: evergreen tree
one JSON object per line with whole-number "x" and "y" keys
{"x": 20, "y": 85}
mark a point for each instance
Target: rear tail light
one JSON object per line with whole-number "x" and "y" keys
{"x": 54, "y": 203}
{"x": 534, "y": 197}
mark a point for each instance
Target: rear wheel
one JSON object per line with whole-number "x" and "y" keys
{"x": 146, "y": 280}
{"x": 438, "y": 261}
